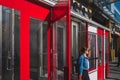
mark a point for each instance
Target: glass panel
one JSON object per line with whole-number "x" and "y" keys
{"x": 17, "y": 46}
{"x": 38, "y": 50}
{"x": 92, "y": 47}
{"x": 81, "y": 36}
{"x": 100, "y": 54}
{"x": 60, "y": 47}
{"x": 34, "y": 49}
{"x": 6, "y": 43}
{"x": 10, "y": 44}
{"x": 74, "y": 43}
{"x": 78, "y": 41}
{"x": 44, "y": 50}
{"x": 106, "y": 50}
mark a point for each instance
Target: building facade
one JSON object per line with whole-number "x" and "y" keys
{"x": 41, "y": 40}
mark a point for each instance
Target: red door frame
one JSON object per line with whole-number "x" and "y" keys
{"x": 101, "y": 66}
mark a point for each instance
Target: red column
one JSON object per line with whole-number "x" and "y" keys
{"x": 24, "y": 47}
{"x": 49, "y": 50}
{"x": 68, "y": 41}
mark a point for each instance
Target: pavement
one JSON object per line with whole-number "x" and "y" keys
{"x": 114, "y": 71}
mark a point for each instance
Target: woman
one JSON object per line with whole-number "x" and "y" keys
{"x": 83, "y": 63}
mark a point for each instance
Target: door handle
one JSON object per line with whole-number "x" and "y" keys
{"x": 9, "y": 61}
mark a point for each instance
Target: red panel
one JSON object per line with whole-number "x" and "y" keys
{"x": 24, "y": 6}
{"x": 100, "y": 32}
{"x": 11, "y": 3}
{"x": 49, "y": 47}
{"x": 36, "y": 11}
{"x": 24, "y": 47}
{"x": 101, "y": 67}
{"x": 101, "y": 72}
{"x": 107, "y": 34}
{"x": 58, "y": 12}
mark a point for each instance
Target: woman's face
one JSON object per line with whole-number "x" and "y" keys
{"x": 87, "y": 51}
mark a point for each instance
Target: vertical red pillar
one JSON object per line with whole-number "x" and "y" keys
{"x": 24, "y": 47}
{"x": 68, "y": 41}
{"x": 48, "y": 49}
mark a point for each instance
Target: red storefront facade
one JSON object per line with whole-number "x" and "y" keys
{"x": 40, "y": 40}
{"x": 31, "y": 15}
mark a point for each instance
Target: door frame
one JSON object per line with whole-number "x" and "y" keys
{"x": 94, "y": 72}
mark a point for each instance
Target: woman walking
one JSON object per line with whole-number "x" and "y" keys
{"x": 83, "y": 63}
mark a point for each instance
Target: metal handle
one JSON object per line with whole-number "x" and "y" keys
{"x": 9, "y": 61}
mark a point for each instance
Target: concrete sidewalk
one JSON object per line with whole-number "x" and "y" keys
{"x": 114, "y": 72}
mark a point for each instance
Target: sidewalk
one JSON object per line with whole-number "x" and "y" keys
{"x": 114, "y": 72}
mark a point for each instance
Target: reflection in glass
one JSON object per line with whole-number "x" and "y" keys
{"x": 17, "y": 47}
{"x": 78, "y": 41}
{"x": 38, "y": 50}
{"x": 92, "y": 47}
{"x": 74, "y": 43}
{"x": 106, "y": 49}
{"x": 10, "y": 44}
{"x": 81, "y": 36}
{"x": 60, "y": 47}
{"x": 100, "y": 56}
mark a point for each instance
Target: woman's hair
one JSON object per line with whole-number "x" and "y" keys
{"x": 83, "y": 49}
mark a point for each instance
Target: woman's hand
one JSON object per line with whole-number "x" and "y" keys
{"x": 80, "y": 77}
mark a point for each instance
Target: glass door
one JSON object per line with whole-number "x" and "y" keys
{"x": 10, "y": 39}
{"x": 78, "y": 41}
{"x": 60, "y": 59}
{"x": 38, "y": 50}
{"x": 92, "y": 46}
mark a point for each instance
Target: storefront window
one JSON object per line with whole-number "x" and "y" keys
{"x": 81, "y": 36}
{"x": 74, "y": 55}
{"x": 10, "y": 44}
{"x": 100, "y": 49}
{"x": 92, "y": 47}
{"x": 106, "y": 50}
{"x": 38, "y": 50}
